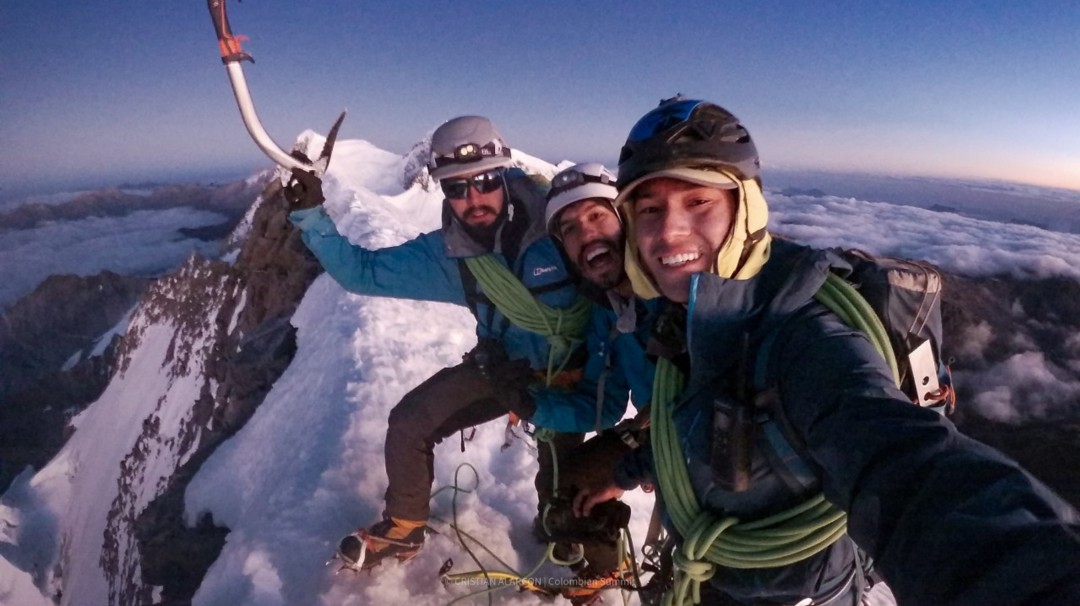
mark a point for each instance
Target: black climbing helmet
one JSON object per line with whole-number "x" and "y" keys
{"x": 687, "y": 133}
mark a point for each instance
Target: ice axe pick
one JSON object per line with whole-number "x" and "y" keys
{"x": 232, "y": 55}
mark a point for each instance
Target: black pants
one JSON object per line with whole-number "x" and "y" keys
{"x": 591, "y": 463}
{"x": 459, "y": 397}
{"x": 453, "y": 399}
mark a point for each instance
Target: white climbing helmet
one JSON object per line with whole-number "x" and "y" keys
{"x": 579, "y": 182}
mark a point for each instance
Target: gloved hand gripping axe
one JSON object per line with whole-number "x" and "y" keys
{"x": 232, "y": 56}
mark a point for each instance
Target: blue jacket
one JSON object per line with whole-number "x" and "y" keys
{"x": 617, "y": 366}
{"x": 430, "y": 267}
{"x": 946, "y": 519}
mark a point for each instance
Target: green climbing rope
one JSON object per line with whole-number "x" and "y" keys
{"x": 779, "y": 540}
{"x": 497, "y": 580}
{"x": 843, "y": 300}
{"x": 563, "y": 328}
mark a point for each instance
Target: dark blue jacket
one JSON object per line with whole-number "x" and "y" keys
{"x": 946, "y": 519}
{"x": 430, "y": 267}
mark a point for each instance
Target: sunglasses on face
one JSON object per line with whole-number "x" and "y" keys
{"x": 485, "y": 183}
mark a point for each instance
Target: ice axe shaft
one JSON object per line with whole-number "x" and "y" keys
{"x": 232, "y": 55}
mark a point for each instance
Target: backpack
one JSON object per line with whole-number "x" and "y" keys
{"x": 906, "y": 296}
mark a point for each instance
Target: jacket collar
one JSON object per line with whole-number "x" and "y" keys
{"x": 723, "y": 312}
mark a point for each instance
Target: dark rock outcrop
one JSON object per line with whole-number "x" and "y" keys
{"x": 47, "y": 372}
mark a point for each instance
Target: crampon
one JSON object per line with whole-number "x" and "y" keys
{"x": 588, "y": 591}
{"x": 368, "y": 547}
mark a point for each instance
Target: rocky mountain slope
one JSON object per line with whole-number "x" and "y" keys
{"x": 57, "y": 349}
{"x": 229, "y": 339}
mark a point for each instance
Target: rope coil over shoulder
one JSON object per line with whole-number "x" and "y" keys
{"x": 563, "y": 328}
{"x": 779, "y": 540}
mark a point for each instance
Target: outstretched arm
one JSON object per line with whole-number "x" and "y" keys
{"x": 948, "y": 520}
{"x": 417, "y": 269}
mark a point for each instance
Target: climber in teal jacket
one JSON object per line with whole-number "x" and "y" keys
{"x": 491, "y": 211}
{"x": 429, "y": 267}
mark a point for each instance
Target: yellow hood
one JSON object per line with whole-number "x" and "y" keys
{"x": 743, "y": 253}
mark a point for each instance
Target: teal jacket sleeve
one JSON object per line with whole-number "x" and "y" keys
{"x": 417, "y": 269}
{"x": 616, "y": 371}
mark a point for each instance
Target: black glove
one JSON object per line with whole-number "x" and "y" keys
{"x": 593, "y": 463}
{"x": 304, "y": 190}
{"x": 602, "y": 524}
{"x": 510, "y": 380}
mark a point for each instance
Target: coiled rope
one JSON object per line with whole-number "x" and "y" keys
{"x": 778, "y": 540}
{"x": 563, "y": 328}
{"x": 496, "y": 580}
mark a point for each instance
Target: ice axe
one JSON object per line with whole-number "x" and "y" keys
{"x": 232, "y": 56}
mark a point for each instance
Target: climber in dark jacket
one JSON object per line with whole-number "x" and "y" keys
{"x": 944, "y": 518}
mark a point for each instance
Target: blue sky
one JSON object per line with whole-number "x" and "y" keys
{"x": 111, "y": 91}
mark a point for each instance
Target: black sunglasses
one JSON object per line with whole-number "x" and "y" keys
{"x": 485, "y": 183}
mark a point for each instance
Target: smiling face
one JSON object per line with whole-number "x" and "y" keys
{"x": 679, "y": 228}
{"x": 592, "y": 236}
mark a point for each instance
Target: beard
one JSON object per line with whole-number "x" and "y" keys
{"x": 483, "y": 234}
{"x": 608, "y": 280}
{"x": 606, "y": 271}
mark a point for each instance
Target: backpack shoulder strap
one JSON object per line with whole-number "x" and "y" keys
{"x": 787, "y": 452}
{"x": 473, "y": 295}
{"x": 843, "y": 300}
